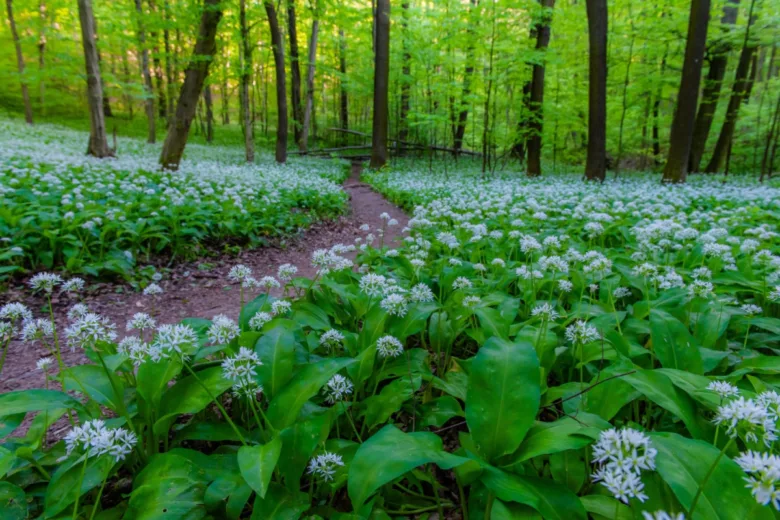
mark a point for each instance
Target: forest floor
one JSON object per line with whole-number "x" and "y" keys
{"x": 191, "y": 291}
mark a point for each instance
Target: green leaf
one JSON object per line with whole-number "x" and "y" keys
{"x": 309, "y": 315}
{"x": 561, "y": 435}
{"x": 152, "y": 380}
{"x": 280, "y": 504}
{"x": 298, "y": 444}
{"x": 284, "y": 408}
{"x": 389, "y": 454}
{"x": 606, "y": 506}
{"x": 64, "y": 485}
{"x": 276, "y": 351}
{"x": 552, "y": 500}
{"x": 93, "y": 381}
{"x": 440, "y": 410}
{"x": 379, "y": 408}
{"x": 170, "y": 487}
{"x": 492, "y": 323}
{"x": 673, "y": 344}
{"x": 23, "y": 401}
{"x": 503, "y": 396}
{"x": 257, "y": 464}
{"x": 189, "y": 396}
{"x": 684, "y": 463}
{"x": 569, "y": 468}
{"x": 13, "y": 502}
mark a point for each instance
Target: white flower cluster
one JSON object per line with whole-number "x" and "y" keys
{"x": 621, "y": 456}
{"x": 749, "y": 419}
{"x": 337, "y": 388}
{"x": 95, "y": 439}
{"x": 325, "y": 465}
{"x": 763, "y": 478}
{"x": 241, "y": 368}
{"x": 222, "y": 330}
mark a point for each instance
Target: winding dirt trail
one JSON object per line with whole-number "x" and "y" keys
{"x": 191, "y": 291}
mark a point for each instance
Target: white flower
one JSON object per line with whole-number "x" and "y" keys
{"x": 421, "y": 293}
{"x": 394, "y": 305}
{"x": 554, "y": 264}
{"x": 385, "y": 216}
{"x": 44, "y": 364}
{"x": 700, "y": 289}
{"x": 527, "y": 274}
{"x": 90, "y": 329}
{"x": 181, "y": 339}
{"x": 15, "y": 312}
{"x": 94, "y": 439}
{"x": 461, "y": 283}
{"x": 373, "y": 284}
{"x": 331, "y": 339}
{"x": 580, "y": 333}
{"x": 646, "y": 269}
{"x": 621, "y": 292}
{"x": 45, "y": 282}
{"x": 764, "y": 476}
{"x": 280, "y": 307}
{"x": 241, "y": 366}
{"x": 471, "y": 301}
{"x": 662, "y": 515}
{"x": 546, "y": 311}
{"x": 325, "y": 465}
{"x": 269, "y": 282}
{"x": 141, "y": 321}
{"x": 621, "y": 456}
{"x": 77, "y": 311}
{"x": 286, "y": 272}
{"x": 73, "y": 285}
{"x": 771, "y": 401}
{"x": 153, "y": 290}
{"x": 723, "y": 389}
{"x": 565, "y": 286}
{"x": 702, "y": 273}
{"x": 747, "y": 418}
{"x": 238, "y": 273}
{"x": 257, "y": 321}
{"x": 222, "y": 330}
{"x": 751, "y": 310}
{"x": 389, "y": 346}
{"x": 248, "y": 388}
{"x": 37, "y": 330}
{"x": 337, "y": 388}
{"x": 775, "y": 294}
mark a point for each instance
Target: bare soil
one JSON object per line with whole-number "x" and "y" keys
{"x": 191, "y": 291}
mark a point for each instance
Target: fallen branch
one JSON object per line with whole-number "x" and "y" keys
{"x": 407, "y": 144}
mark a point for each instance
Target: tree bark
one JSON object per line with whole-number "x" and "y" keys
{"x": 98, "y": 142}
{"x": 281, "y": 89}
{"x": 719, "y": 55}
{"x": 463, "y": 113}
{"x": 168, "y": 59}
{"x": 657, "y": 111}
{"x": 128, "y": 80}
{"x": 28, "y": 115}
{"x": 209, "y": 113}
{"x": 246, "y": 69}
{"x": 381, "y": 85}
{"x": 676, "y": 169}
{"x": 536, "y": 102}
{"x": 148, "y": 88}
{"x": 741, "y": 81}
{"x": 596, "y": 163}
{"x": 42, "y": 56}
{"x": 343, "y": 100}
{"x": 309, "y": 110}
{"x": 295, "y": 72}
{"x": 157, "y": 70}
{"x": 406, "y": 69}
{"x": 768, "y": 158}
{"x": 194, "y": 78}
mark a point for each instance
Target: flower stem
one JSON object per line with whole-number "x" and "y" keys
{"x": 78, "y": 490}
{"x": 216, "y": 402}
{"x": 704, "y": 482}
{"x": 97, "y": 500}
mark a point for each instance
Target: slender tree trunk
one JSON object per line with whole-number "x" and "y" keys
{"x": 157, "y": 70}
{"x": 207, "y": 100}
{"x": 281, "y": 89}
{"x": 657, "y": 111}
{"x": 106, "y": 101}
{"x": 148, "y": 89}
{"x": 596, "y": 164}
{"x": 168, "y": 59}
{"x": 751, "y": 77}
{"x": 128, "y": 80}
{"x": 486, "y": 133}
{"x": 406, "y": 69}
{"x": 536, "y": 101}
{"x": 194, "y": 78}
{"x": 295, "y": 72}
{"x": 343, "y": 100}
{"x": 676, "y": 169}
{"x": 768, "y": 158}
{"x": 246, "y": 69}
{"x": 741, "y": 80}
{"x": 463, "y": 114}
{"x": 98, "y": 142}
{"x": 719, "y": 55}
{"x": 624, "y": 102}
{"x": 225, "y": 94}
{"x": 28, "y": 115}
{"x": 42, "y": 56}
{"x": 381, "y": 85}
{"x": 309, "y": 110}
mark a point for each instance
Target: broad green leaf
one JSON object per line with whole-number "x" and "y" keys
{"x": 152, "y": 380}
{"x": 606, "y": 506}
{"x": 257, "y": 464}
{"x": 280, "y": 504}
{"x": 389, "y": 454}
{"x": 170, "y": 487}
{"x": 379, "y": 408}
{"x": 190, "y": 395}
{"x": 440, "y": 410}
{"x": 298, "y": 444}
{"x": 561, "y": 435}
{"x": 569, "y": 468}
{"x": 92, "y": 381}
{"x": 503, "y": 396}
{"x": 23, "y": 401}
{"x": 309, "y": 315}
{"x": 552, "y": 500}
{"x": 64, "y": 485}
{"x": 276, "y": 350}
{"x": 209, "y": 431}
{"x": 284, "y": 408}
{"x": 684, "y": 463}
{"x": 673, "y": 344}
{"x": 13, "y": 502}
{"x": 492, "y": 323}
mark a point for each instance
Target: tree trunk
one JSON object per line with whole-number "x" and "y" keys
{"x": 403, "y": 132}
{"x": 281, "y": 89}
{"x": 343, "y": 100}
{"x": 128, "y": 80}
{"x": 381, "y": 85}
{"x": 42, "y": 56}
{"x": 741, "y": 80}
{"x": 148, "y": 89}
{"x": 486, "y": 130}
{"x": 596, "y": 164}
{"x": 225, "y": 94}
{"x": 157, "y": 71}
{"x": 168, "y": 59}
{"x": 28, "y": 115}
{"x": 295, "y": 73}
{"x": 624, "y": 102}
{"x": 657, "y": 111}
{"x": 105, "y": 102}
{"x": 194, "y": 78}
{"x": 209, "y": 113}
{"x": 534, "y": 166}
{"x": 307, "y": 113}
{"x": 768, "y": 158}
{"x": 719, "y": 55}
{"x": 463, "y": 114}
{"x": 246, "y": 69}
{"x": 676, "y": 169}
{"x": 98, "y": 142}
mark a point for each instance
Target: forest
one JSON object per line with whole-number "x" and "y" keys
{"x": 431, "y": 260}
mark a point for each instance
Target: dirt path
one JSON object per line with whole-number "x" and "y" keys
{"x": 191, "y": 291}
